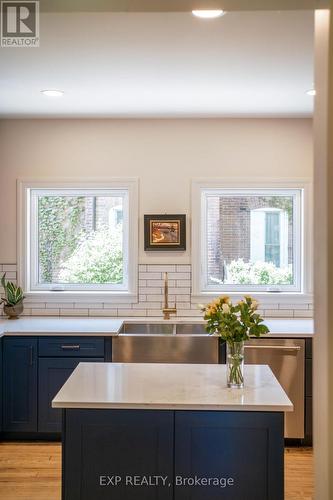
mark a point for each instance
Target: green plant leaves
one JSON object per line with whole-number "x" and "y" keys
{"x": 235, "y": 323}
{"x": 13, "y": 294}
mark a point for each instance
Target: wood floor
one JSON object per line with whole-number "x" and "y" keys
{"x": 31, "y": 471}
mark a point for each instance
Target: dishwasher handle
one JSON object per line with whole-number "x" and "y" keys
{"x": 275, "y": 347}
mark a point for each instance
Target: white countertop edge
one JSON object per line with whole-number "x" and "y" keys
{"x": 111, "y": 326}
{"x": 161, "y": 406}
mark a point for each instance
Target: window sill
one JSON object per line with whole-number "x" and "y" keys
{"x": 293, "y": 298}
{"x": 81, "y": 297}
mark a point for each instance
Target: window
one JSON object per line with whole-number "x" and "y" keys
{"x": 248, "y": 239}
{"x": 78, "y": 238}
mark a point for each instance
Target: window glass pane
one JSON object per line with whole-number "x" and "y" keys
{"x": 272, "y": 245}
{"x": 80, "y": 239}
{"x": 249, "y": 239}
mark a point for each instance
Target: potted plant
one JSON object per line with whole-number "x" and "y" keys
{"x": 13, "y": 299}
{"x": 234, "y": 324}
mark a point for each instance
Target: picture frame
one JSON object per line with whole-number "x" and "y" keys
{"x": 165, "y": 232}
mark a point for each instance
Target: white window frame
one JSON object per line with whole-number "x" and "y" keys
{"x": 27, "y": 240}
{"x": 302, "y": 291}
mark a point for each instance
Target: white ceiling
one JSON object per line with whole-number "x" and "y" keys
{"x": 163, "y": 65}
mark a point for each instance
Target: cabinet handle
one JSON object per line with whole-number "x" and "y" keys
{"x": 72, "y": 347}
{"x": 31, "y": 355}
{"x": 277, "y": 347}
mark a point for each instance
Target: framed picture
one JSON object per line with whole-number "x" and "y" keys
{"x": 165, "y": 232}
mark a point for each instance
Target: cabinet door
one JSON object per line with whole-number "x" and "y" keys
{"x": 131, "y": 444}
{"x": 20, "y": 384}
{"x": 53, "y": 373}
{"x": 244, "y": 450}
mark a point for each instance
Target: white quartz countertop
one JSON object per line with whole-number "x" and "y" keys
{"x": 170, "y": 386}
{"x": 59, "y": 326}
{"x": 111, "y": 326}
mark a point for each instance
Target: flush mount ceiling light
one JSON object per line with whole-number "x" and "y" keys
{"x": 311, "y": 92}
{"x": 208, "y": 14}
{"x": 52, "y": 92}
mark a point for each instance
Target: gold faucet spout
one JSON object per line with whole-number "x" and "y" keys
{"x": 166, "y": 309}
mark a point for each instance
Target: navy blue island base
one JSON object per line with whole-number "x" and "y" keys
{"x": 120, "y": 454}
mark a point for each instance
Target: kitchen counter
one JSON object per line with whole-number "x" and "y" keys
{"x": 61, "y": 326}
{"x": 170, "y": 386}
{"x": 284, "y": 328}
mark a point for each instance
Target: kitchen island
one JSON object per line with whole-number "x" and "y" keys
{"x": 164, "y": 431}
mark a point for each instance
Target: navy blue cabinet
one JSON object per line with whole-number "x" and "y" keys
{"x": 1, "y": 406}
{"x": 53, "y": 373}
{"x": 125, "y": 443}
{"x": 20, "y": 384}
{"x": 244, "y": 448}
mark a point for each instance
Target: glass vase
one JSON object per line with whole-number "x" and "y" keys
{"x": 235, "y": 364}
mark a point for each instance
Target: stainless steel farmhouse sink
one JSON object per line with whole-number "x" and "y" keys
{"x": 164, "y": 343}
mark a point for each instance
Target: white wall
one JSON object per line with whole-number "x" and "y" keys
{"x": 164, "y": 154}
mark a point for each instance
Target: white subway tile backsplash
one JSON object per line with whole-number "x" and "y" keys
{"x": 155, "y": 283}
{"x": 179, "y": 276}
{"x": 45, "y": 312}
{"x": 293, "y": 306}
{"x": 156, "y": 298}
{"x": 104, "y": 312}
{"x": 147, "y": 305}
{"x": 160, "y": 268}
{"x": 270, "y": 306}
{"x": 279, "y": 313}
{"x": 10, "y": 275}
{"x": 183, "y": 305}
{"x": 9, "y": 267}
{"x": 150, "y": 276}
{"x": 154, "y": 312}
{"x": 34, "y": 305}
{"x": 182, "y": 283}
{"x": 183, "y": 268}
{"x": 180, "y": 291}
{"x": 188, "y": 312}
{"x": 88, "y": 305}
{"x": 151, "y": 290}
{"x": 74, "y": 312}
{"x": 302, "y": 313}
{"x": 61, "y": 305}
{"x": 151, "y": 298}
{"x": 132, "y": 312}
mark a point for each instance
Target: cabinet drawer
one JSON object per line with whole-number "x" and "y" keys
{"x": 71, "y": 346}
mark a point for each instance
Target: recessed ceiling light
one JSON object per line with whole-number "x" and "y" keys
{"x": 52, "y": 92}
{"x": 208, "y": 14}
{"x": 311, "y": 92}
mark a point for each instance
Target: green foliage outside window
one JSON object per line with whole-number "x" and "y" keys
{"x": 98, "y": 258}
{"x": 258, "y": 273}
{"x": 59, "y": 230}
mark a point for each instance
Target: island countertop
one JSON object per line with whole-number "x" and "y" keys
{"x": 170, "y": 386}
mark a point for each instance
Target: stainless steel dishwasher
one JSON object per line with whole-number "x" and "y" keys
{"x": 164, "y": 343}
{"x": 286, "y": 360}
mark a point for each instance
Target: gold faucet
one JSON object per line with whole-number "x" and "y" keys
{"x": 166, "y": 309}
